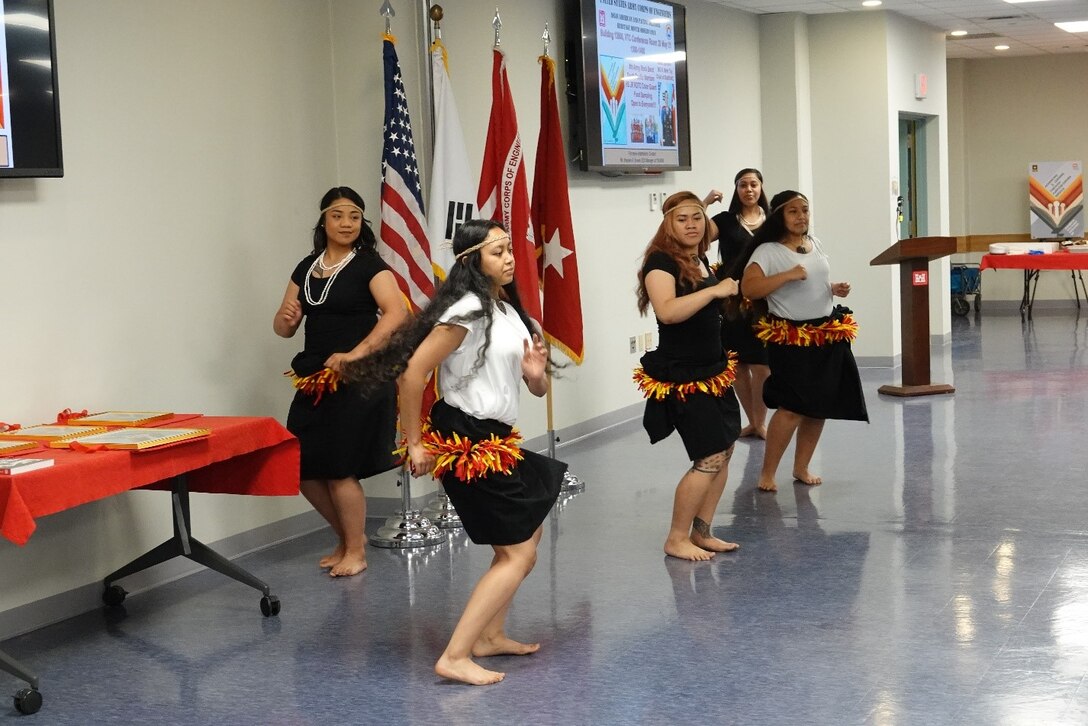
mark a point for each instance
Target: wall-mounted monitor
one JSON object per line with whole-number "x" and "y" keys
{"x": 29, "y": 104}
{"x": 628, "y": 82}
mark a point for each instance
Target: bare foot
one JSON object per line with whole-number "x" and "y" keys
{"x": 761, "y": 432}
{"x": 351, "y": 564}
{"x": 502, "y": 645}
{"x": 685, "y": 550}
{"x": 807, "y": 477}
{"x": 713, "y": 544}
{"x": 465, "y": 671}
{"x": 768, "y": 485}
{"x": 330, "y": 560}
{"x": 747, "y": 431}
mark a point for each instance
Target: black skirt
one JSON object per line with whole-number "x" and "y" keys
{"x": 499, "y": 509}
{"x": 345, "y": 435}
{"x": 818, "y": 381}
{"x": 707, "y": 424}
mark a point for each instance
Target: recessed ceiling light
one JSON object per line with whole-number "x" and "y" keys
{"x": 871, "y": 3}
{"x": 1001, "y": 47}
{"x": 958, "y": 33}
{"x": 1075, "y": 26}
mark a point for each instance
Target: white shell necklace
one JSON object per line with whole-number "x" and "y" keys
{"x": 335, "y": 269}
{"x": 760, "y": 219}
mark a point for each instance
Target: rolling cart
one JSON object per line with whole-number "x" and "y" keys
{"x": 965, "y": 279}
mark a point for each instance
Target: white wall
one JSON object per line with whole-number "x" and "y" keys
{"x": 851, "y": 166}
{"x": 914, "y": 48}
{"x": 198, "y": 138}
{"x": 1016, "y": 111}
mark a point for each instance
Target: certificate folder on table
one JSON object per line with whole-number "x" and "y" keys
{"x": 121, "y": 418}
{"x": 49, "y": 432}
{"x": 134, "y": 438}
{"x": 14, "y": 446}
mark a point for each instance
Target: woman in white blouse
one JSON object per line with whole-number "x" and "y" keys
{"x": 478, "y": 335}
{"x": 813, "y": 373}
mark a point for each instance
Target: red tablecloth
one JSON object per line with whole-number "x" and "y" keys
{"x": 1061, "y": 260}
{"x": 242, "y": 456}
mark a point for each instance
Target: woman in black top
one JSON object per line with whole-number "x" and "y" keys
{"x": 687, "y": 379}
{"x": 340, "y": 288}
{"x": 736, "y": 228}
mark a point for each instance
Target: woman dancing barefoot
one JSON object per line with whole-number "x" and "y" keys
{"x": 813, "y": 373}
{"x": 477, "y": 333}
{"x": 687, "y": 379}
{"x": 339, "y": 289}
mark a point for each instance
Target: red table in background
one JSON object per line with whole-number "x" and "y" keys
{"x": 255, "y": 456}
{"x": 1033, "y": 264}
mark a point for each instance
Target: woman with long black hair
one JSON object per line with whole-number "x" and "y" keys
{"x": 477, "y": 334}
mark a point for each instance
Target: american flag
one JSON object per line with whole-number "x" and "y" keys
{"x": 403, "y": 236}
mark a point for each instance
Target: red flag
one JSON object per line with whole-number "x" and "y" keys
{"x": 558, "y": 263}
{"x": 504, "y": 195}
{"x": 403, "y": 237}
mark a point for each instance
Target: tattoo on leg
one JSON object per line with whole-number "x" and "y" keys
{"x": 701, "y": 527}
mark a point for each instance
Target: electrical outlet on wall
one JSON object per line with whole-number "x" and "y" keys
{"x": 647, "y": 341}
{"x": 634, "y": 344}
{"x": 653, "y": 201}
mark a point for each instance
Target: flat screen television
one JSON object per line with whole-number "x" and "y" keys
{"x": 29, "y": 104}
{"x": 628, "y": 82}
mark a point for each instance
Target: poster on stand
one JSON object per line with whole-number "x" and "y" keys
{"x": 1056, "y": 199}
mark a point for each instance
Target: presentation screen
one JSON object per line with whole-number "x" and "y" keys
{"x": 632, "y": 90}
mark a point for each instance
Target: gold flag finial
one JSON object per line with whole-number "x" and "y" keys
{"x": 436, "y": 14}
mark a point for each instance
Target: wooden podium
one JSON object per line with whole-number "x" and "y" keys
{"x": 913, "y": 256}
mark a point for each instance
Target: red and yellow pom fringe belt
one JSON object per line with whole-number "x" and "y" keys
{"x": 317, "y": 384}
{"x": 783, "y": 332}
{"x": 468, "y": 459}
{"x": 715, "y": 385}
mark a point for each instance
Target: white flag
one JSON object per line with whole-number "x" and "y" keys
{"x": 452, "y": 199}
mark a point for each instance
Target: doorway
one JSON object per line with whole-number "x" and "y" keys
{"x": 913, "y": 218}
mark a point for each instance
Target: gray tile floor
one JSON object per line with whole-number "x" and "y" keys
{"x": 939, "y": 576}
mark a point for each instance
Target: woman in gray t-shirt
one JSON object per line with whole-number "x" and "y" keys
{"x": 813, "y": 373}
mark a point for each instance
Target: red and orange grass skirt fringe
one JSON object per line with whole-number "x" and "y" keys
{"x": 715, "y": 385}
{"x": 783, "y": 332}
{"x": 468, "y": 459}
{"x": 317, "y": 384}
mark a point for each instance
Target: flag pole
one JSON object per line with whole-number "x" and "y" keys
{"x": 439, "y": 510}
{"x": 571, "y": 483}
{"x": 407, "y": 528}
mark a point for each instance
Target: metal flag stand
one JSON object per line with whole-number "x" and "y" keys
{"x": 407, "y": 528}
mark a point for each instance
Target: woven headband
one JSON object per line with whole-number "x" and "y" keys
{"x": 685, "y": 203}
{"x": 481, "y": 245}
{"x": 342, "y": 203}
{"x": 799, "y": 196}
